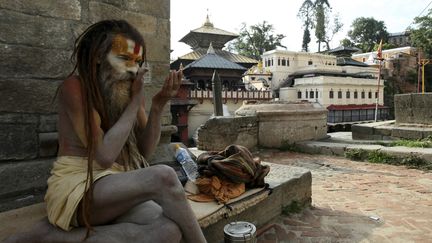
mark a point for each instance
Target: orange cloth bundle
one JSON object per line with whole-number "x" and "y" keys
{"x": 214, "y": 188}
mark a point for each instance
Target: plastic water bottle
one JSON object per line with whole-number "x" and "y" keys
{"x": 188, "y": 164}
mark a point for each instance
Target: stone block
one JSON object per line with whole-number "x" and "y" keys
{"x": 143, "y": 22}
{"x": 407, "y": 133}
{"x": 30, "y": 30}
{"x": 18, "y": 141}
{"x": 65, "y": 9}
{"x": 358, "y": 128}
{"x": 158, "y": 48}
{"x": 382, "y": 131}
{"x": 48, "y": 144}
{"x": 219, "y": 132}
{"x": 159, "y": 8}
{"x": 403, "y": 105}
{"x": 31, "y": 96}
{"x": 22, "y": 178}
{"x": 22, "y": 118}
{"x": 48, "y": 123}
{"x": 33, "y": 62}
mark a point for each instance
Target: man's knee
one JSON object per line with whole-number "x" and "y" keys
{"x": 165, "y": 176}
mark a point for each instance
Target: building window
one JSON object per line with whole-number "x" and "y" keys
{"x": 316, "y": 94}
{"x": 363, "y": 94}
{"x": 310, "y": 62}
{"x": 376, "y": 95}
{"x": 283, "y": 62}
{"x": 307, "y": 94}
{"x": 348, "y": 94}
{"x": 355, "y": 94}
{"x": 271, "y": 62}
{"x": 311, "y": 94}
{"x": 331, "y": 94}
{"x": 339, "y": 94}
{"x": 299, "y": 94}
{"x": 279, "y": 63}
{"x": 287, "y": 62}
{"x": 370, "y": 95}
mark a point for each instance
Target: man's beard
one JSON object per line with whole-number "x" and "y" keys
{"x": 116, "y": 91}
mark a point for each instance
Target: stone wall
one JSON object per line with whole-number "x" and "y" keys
{"x": 219, "y": 132}
{"x": 413, "y": 109}
{"x": 281, "y": 124}
{"x": 36, "y": 43}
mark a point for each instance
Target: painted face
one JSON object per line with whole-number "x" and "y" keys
{"x": 125, "y": 55}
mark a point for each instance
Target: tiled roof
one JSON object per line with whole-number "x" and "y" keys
{"x": 225, "y": 54}
{"x": 347, "y": 61}
{"x": 214, "y": 61}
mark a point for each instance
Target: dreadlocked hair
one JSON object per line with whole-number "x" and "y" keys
{"x": 92, "y": 46}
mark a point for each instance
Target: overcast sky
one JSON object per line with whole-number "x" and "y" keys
{"x": 228, "y": 15}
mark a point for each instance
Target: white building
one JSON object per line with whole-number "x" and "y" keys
{"x": 347, "y": 88}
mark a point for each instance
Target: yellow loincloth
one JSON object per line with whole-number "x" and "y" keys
{"x": 66, "y": 188}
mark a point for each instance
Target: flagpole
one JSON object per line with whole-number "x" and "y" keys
{"x": 378, "y": 88}
{"x": 379, "y": 57}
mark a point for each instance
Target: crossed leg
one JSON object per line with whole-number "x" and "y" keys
{"x": 118, "y": 198}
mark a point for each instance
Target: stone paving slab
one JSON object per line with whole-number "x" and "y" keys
{"x": 355, "y": 202}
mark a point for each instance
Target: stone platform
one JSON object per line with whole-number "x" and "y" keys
{"x": 286, "y": 183}
{"x": 390, "y": 130}
{"x": 339, "y": 143}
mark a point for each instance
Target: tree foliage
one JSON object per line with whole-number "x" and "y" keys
{"x": 305, "y": 13}
{"x": 366, "y": 32}
{"x": 422, "y": 35}
{"x": 254, "y": 40}
{"x": 317, "y": 15}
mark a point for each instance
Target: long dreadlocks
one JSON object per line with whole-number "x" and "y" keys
{"x": 90, "y": 48}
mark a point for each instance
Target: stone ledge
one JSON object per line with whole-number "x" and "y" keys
{"x": 288, "y": 184}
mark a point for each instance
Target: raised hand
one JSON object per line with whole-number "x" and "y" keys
{"x": 138, "y": 83}
{"x": 170, "y": 87}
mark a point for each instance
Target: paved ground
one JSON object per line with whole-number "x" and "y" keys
{"x": 356, "y": 202}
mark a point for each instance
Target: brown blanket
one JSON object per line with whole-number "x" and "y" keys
{"x": 235, "y": 164}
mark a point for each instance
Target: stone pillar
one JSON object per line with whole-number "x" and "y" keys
{"x": 217, "y": 94}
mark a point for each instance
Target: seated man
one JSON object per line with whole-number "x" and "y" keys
{"x": 101, "y": 180}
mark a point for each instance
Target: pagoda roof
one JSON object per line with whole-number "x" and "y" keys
{"x": 225, "y": 54}
{"x": 202, "y": 36}
{"x": 343, "y": 49}
{"x": 348, "y": 61}
{"x": 212, "y": 60}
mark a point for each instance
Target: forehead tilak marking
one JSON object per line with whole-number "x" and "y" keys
{"x": 121, "y": 45}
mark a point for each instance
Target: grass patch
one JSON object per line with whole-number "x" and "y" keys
{"x": 376, "y": 156}
{"x": 356, "y": 154}
{"x": 416, "y": 162}
{"x": 293, "y": 207}
{"x": 418, "y": 143}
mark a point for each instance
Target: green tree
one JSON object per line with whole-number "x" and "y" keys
{"x": 305, "y": 13}
{"x": 256, "y": 39}
{"x": 421, "y": 36}
{"x": 317, "y": 15}
{"x": 346, "y": 42}
{"x": 320, "y": 21}
{"x": 366, "y": 32}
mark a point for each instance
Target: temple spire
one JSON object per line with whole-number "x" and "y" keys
{"x": 207, "y": 23}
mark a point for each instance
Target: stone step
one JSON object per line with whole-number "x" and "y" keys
{"x": 287, "y": 184}
{"x": 339, "y": 148}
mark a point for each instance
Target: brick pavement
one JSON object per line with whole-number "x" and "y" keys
{"x": 355, "y": 202}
